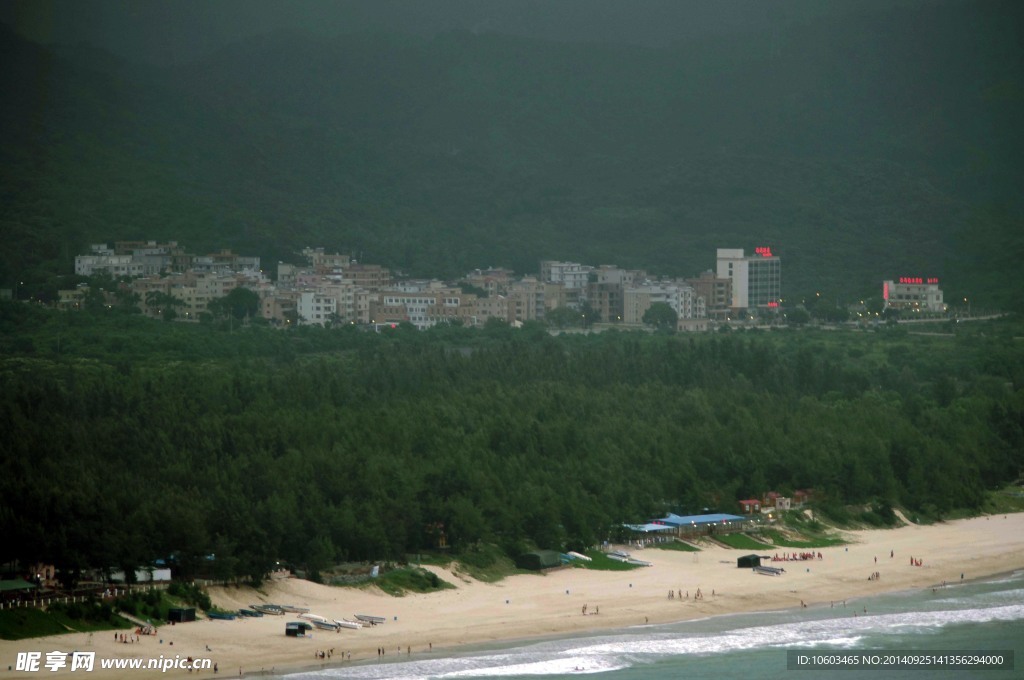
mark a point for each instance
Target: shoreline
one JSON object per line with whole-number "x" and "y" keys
{"x": 526, "y": 607}
{"x": 486, "y": 647}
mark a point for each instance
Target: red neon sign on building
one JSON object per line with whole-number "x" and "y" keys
{"x": 919, "y": 280}
{"x": 764, "y": 251}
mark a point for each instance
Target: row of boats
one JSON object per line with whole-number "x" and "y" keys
{"x": 623, "y": 556}
{"x": 769, "y": 571}
{"x": 321, "y": 622}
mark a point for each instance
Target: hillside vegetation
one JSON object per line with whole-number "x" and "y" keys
{"x": 883, "y": 144}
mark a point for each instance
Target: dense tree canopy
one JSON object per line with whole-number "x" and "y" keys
{"x": 661, "y": 316}
{"x": 126, "y": 439}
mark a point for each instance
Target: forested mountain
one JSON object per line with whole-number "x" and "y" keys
{"x": 861, "y": 148}
{"x": 126, "y": 439}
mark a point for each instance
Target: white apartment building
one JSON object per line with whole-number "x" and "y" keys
{"x": 681, "y": 297}
{"x": 572, "y": 275}
{"x": 115, "y": 265}
{"x": 423, "y": 308}
{"x": 316, "y": 308}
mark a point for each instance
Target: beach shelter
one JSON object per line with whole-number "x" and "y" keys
{"x": 296, "y": 628}
{"x": 539, "y": 559}
{"x": 181, "y": 614}
{"x": 748, "y": 561}
{"x": 14, "y": 589}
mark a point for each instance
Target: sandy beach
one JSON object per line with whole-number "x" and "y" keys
{"x": 526, "y": 606}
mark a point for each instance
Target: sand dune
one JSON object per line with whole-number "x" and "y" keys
{"x": 527, "y": 606}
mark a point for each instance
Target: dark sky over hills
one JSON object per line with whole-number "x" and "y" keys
{"x": 861, "y": 140}
{"x": 163, "y": 31}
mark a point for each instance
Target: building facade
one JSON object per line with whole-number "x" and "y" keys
{"x": 913, "y": 293}
{"x": 756, "y": 280}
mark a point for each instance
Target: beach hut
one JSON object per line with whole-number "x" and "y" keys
{"x": 181, "y": 614}
{"x": 539, "y": 559}
{"x": 748, "y": 561}
{"x": 750, "y": 506}
{"x": 297, "y": 628}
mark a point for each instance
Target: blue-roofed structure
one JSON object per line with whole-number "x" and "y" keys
{"x": 679, "y": 525}
{"x": 650, "y": 527}
{"x": 698, "y": 520}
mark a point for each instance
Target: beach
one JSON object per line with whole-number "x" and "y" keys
{"x": 560, "y": 602}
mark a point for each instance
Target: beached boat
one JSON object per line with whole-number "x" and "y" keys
{"x": 312, "y": 617}
{"x": 221, "y": 616}
{"x": 327, "y": 625}
{"x": 769, "y": 570}
{"x": 293, "y": 608}
{"x": 345, "y": 623}
{"x": 372, "y": 620}
{"x": 268, "y": 609}
{"x": 250, "y": 612}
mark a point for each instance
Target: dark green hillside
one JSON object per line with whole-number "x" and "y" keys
{"x": 870, "y": 147}
{"x": 127, "y": 439}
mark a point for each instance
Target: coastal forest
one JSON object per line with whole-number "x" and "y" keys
{"x": 228, "y": 449}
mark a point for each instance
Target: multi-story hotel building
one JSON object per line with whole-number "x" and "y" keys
{"x": 913, "y": 293}
{"x": 756, "y": 280}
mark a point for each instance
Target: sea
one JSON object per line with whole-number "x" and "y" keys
{"x": 892, "y": 636}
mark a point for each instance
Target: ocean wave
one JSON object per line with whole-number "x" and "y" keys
{"x": 604, "y": 654}
{"x": 819, "y": 632}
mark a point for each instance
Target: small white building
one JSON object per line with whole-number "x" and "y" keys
{"x": 316, "y": 308}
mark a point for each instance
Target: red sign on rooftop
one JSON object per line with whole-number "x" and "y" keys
{"x": 919, "y": 280}
{"x": 764, "y": 251}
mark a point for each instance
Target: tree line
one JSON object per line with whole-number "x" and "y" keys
{"x": 228, "y": 451}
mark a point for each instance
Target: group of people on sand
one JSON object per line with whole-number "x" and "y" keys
{"x": 382, "y": 652}
{"x": 674, "y": 594}
{"x": 797, "y": 557}
{"x": 597, "y": 610}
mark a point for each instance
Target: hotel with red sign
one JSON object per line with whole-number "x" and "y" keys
{"x": 915, "y": 293}
{"x": 756, "y": 280}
